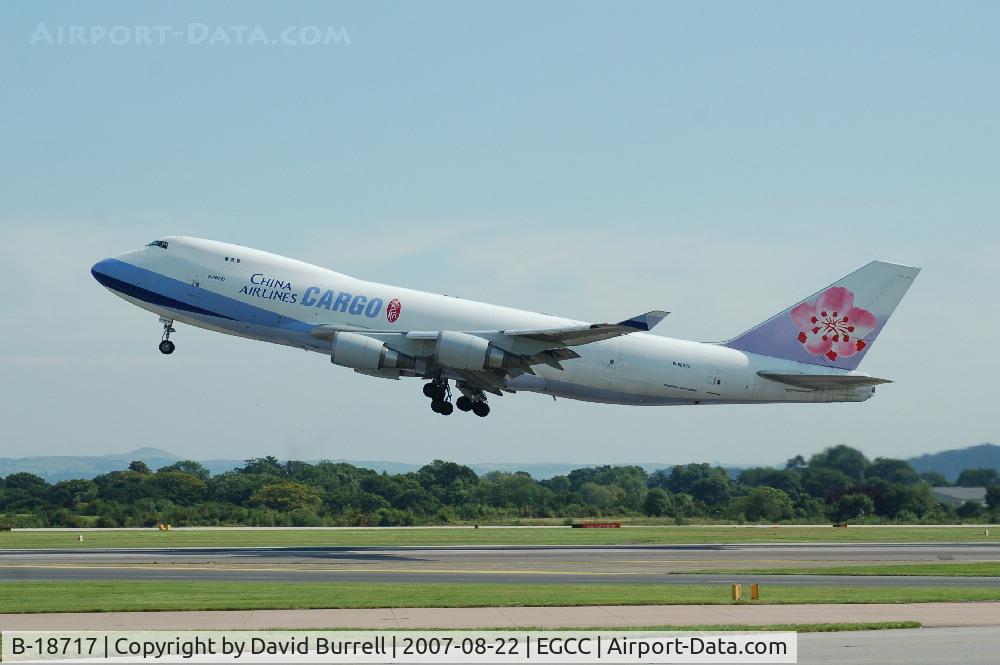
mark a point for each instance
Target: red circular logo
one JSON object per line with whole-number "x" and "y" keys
{"x": 393, "y": 310}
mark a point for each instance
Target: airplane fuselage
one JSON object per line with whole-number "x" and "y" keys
{"x": 266, "y": 297}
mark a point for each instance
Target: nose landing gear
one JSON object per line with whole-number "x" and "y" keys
{"x": 166, "y": 346}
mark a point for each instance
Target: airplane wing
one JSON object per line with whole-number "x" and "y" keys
{"x": 594, "y": 332}
{"x": 535, "y": 346}
{"x": 823, "y": 381}
{"x": 573, "y": 335}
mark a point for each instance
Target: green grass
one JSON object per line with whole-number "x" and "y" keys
{"x": 645, "y": 535}
{"x": 975, "y": 569}
{"x": 29, "y": 597}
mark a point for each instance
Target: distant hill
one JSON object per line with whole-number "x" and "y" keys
{"x": 66, "y": 467}
{"x": 544, "y": 470}
{"x": 55, "y": 468}
{"x": 950, "y": 463}
{"x": 538, "y": 471}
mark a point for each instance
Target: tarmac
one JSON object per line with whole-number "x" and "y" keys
{"x": 931, "y": 615}
{"x": 924, "y": 646}
{"x": 673, "y": 564}
{"x": 953, "y": 632}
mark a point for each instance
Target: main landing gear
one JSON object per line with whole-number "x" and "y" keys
{"x": 481, "y": 408}
{"x": 440, "y": 396}
{"x": 439, "y": 392}
{"x": 166, "y": 346}
{"x": 472, "y": 399}
{"x": 478, "y": 406}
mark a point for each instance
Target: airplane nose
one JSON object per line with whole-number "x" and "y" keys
{"x": 102, "y": 271}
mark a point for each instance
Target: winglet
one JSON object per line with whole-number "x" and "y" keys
{"x": 645, "y": 321}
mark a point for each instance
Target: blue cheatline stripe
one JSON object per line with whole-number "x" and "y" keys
{"x": 157, "y": 289}
{"x": 151, "y": 297}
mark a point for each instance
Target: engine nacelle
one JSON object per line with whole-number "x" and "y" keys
{"x": 365, "y": 353}
{"x": 464, "y": 351}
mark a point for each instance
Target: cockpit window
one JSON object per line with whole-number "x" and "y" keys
{"x": 158, "y": 243}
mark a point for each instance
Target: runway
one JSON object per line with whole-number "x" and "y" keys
{"x": 953, "y": 632}
{"x": 936, "y": 616}
{"x": 461, "y": 565}
{"x": 965, "y": 631}
{"x": 933, "y": 646}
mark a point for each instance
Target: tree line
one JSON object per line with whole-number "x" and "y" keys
{"x": 838, "y": 484}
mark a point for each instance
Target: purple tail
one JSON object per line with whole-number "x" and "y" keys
{"x": 836, "y": 326}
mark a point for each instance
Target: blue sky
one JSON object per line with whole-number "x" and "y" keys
{"x": 718, "y": 160}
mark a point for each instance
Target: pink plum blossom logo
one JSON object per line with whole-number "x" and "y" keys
{"x": 393, "y": 311}
{"x": 832, "y": 326}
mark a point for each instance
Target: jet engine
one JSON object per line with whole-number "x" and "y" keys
{"x": 365, "y": 353}
{"x": 470, "y": 352}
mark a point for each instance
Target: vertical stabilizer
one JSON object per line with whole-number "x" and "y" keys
{"x": 836, "y": 326}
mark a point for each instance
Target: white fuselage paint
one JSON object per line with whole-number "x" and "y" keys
{"x": 639, "y": 368}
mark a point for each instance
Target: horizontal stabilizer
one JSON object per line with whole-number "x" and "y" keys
{"x": 823, "y": 381}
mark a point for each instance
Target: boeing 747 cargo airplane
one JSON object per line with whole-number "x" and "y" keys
{"x": 808, "y": 353}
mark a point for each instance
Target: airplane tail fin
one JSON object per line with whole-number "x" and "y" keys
{"x": 836, "y": 326}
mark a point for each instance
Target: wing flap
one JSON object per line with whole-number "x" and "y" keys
{"x": 486, "y": 381}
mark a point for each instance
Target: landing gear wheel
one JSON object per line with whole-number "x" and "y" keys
{"x": 463, "y": 403}
{"x": 440, "y": 396}
{"x": 435, "y": 390}
{"x": 166, "y": 346}
{"x": 481, "y": 409}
